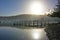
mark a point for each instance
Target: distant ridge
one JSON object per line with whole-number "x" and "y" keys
{"x": 29, "y": 17}
{"x": 21, "y": 16}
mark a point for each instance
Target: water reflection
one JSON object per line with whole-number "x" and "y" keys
{"x": 22, "y": 34}
{"x": 35, "y": 35}
{"x": 38, "y": 34}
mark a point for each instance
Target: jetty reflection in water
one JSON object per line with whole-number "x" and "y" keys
{"x": 22, "y": 34}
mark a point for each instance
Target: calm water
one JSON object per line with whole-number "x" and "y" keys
{"x": 9, "y": 33}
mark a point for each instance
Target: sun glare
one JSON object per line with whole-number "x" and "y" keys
{"x": 36, "y": 34}
{"x": 37, "y": 8}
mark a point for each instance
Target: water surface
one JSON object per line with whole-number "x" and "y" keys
{"x": 11, "y": 33}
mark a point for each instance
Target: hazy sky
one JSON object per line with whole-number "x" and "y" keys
{"x": 16, "y": 7}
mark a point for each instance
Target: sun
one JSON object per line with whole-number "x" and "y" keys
{"x": 37, "y": 8}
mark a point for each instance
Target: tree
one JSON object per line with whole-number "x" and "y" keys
{"x": 53, "y": 30}
{"x": 56, "y": 12}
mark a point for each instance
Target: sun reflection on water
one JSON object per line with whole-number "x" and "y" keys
{"x": 37, "y": 34}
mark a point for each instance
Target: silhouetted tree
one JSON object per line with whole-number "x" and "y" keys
{"x": 56, "y": 12}
{"x": 53, "y": 30}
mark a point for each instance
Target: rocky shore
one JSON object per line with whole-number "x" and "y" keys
{"x": 53, "y": 31}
